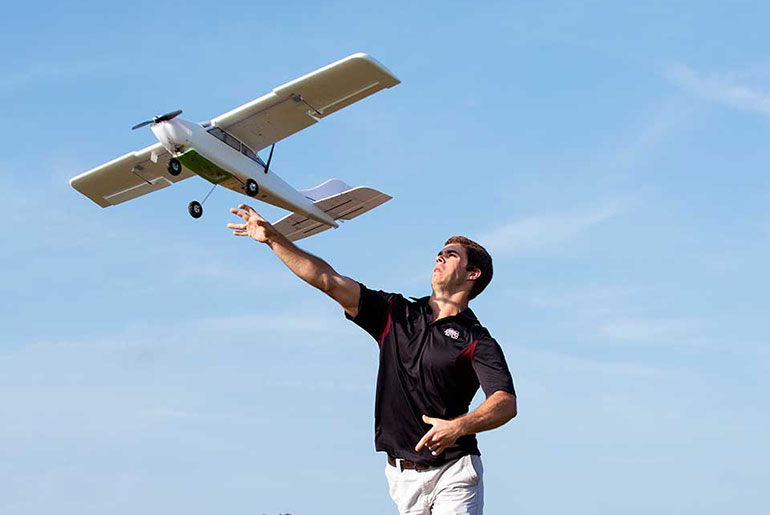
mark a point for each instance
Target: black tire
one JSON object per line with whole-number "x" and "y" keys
{"x": 251, "y": 187}
{"x": 195, "y": 209}
{"x": 174, "y": 166}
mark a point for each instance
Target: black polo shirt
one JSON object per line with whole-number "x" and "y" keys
{"x": 426, "y": 367}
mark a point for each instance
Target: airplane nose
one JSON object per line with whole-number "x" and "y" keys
{"x": 178, "y": 133}
{"x": 173, "y": 134}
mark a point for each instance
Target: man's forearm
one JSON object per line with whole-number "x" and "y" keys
{"x": 311, "y": 269}
{"x": 496, "y": 410}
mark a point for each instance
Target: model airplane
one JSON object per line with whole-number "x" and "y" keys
{"x": 224, "y": 151}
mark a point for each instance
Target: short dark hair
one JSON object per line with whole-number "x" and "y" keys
{"x": 478, "y": 257}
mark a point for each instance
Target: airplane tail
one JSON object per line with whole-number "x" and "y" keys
{"x": 326, "y": 189}
{"x": 335, "y": 198}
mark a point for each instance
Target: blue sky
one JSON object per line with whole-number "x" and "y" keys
{"x": 612, "y": 156}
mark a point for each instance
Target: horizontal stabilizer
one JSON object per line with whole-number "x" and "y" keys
{"x": 345, "y": 205}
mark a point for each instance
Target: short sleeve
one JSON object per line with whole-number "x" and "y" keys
{"x": 491, "y": 368}
{"x": 374, "y": 310}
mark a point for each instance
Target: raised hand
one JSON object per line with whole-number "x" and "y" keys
{"x": 255, "y": 227}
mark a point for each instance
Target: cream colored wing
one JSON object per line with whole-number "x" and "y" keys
{"x": 304, "y": 101}
{"x": 129, "y": 176}
{"x": 342, "y": 206}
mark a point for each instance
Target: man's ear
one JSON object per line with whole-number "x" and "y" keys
{"x": 475, "y": 274}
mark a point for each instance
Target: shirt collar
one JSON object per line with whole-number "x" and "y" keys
{"x": 467, "y": 314}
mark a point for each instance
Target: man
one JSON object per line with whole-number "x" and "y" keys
{"x": 434, "y": 355}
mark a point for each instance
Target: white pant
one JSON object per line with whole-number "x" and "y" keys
{"x": 454, "y": 488}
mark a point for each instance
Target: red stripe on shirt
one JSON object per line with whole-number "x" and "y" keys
{"x": 387, "y": 325}
{"x": 467, "y": 352}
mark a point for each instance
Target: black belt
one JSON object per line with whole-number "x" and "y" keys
{"x": 406, "y": 464}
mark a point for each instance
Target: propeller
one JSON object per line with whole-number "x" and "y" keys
{"x": 162, "y": 118}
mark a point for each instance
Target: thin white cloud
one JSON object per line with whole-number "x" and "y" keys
{"x": 606, "y": 296}
{"x": 544, "y": 233}
{"x": 550, "y": 360}
{"x": 721, "y": 89}
{"x": 614, "y": 314}
{"x": 54, "y": 72}
{"x": 657, "y": 127}
{"x": 650, "y": 329}
{"x": 306, "y": 324}
{"x": 335, "y": 385}
{"x": 165, "y": 412}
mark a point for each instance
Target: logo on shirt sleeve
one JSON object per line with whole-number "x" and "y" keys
{"x": 452, "y": 333}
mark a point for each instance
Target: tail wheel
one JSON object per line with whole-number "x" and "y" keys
{"x": 174, "y": 166}
{"x": 251, "y": 187}
{"x": 195, "y": 209}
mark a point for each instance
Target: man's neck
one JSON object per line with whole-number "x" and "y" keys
{"x": 445, "y": 304}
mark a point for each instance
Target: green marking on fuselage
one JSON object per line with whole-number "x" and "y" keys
{"x": 192, "y": 160}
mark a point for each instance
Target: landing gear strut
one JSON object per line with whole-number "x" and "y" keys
{"x": 195, "y": 208}
{"x": 174, "y": 166}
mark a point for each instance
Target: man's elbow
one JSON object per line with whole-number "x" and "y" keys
{"x": 511, "y": 407}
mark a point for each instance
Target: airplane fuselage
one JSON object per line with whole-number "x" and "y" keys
{"x": 218, "y": 157}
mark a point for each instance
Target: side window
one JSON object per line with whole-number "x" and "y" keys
{"x": 230, "y": 140}
{"x": 217, "y": 133}
{"x": 249, "y": 153}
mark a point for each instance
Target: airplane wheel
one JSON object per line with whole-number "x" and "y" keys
{"x": 174, "y": 166}
{"x": 251, "y": 187}
{"x": 195, "y": 209}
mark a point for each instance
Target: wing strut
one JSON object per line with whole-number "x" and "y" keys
{"x": 267, "y": 166}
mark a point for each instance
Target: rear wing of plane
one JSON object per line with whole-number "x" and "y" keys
{"x": 342, "y": 205}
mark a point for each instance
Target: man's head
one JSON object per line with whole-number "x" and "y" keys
{"x": 462, "y": 264}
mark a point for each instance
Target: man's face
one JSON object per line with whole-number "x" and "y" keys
{"x": 450, "y": 270}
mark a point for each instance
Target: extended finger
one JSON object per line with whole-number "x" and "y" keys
{"x": 250, "y": 210}
{"x": 423, "y": 440}
{"x": 240, "y": 213}
{"x": 240, "y": 233}
{"x": 241, "y": 227}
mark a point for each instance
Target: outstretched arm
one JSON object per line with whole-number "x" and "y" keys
{"x": 496, "y": 410}
{"x": 311, "y": 269}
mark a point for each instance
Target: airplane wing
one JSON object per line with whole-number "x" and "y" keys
{"x": 129, "y": 176}
{"x": 342, "y": 206}
{"x": 304, "y": 101}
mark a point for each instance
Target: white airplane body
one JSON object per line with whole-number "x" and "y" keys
{"x": 220, "y": 163}
{"x": 224, "y": 151}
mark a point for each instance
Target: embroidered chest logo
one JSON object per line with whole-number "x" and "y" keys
{"x": 452, "y": 333}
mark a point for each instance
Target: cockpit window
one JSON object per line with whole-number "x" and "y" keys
{"x": 217, "y": 133}
{"x": 251, "y": 155}
{"x": 235, "y": 143}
